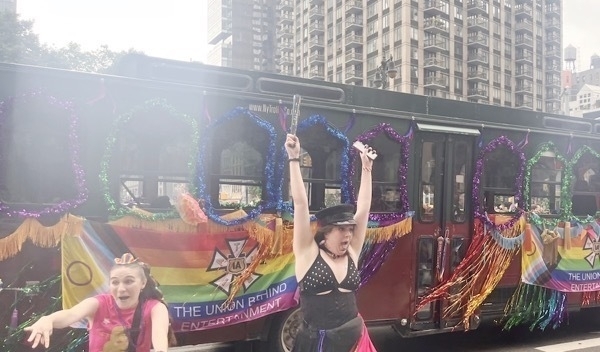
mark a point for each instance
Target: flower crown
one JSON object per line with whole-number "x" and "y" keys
{"x": 125, "y": 259}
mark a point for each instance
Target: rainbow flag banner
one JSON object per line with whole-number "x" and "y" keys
{"x": 565, "y": 258}
{"x": 197, "y": 272}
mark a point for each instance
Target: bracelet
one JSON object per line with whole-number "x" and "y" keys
{"x": 365, "y": 168}
{"x": 293, "y": 159}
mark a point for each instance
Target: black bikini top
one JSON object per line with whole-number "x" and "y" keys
{"x": 320, "y": 278}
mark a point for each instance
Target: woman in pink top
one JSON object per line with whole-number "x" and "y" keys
{"x": 132, "y": 317}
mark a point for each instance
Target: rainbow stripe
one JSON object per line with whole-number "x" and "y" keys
{"x": 195, "y": 271}
{"x": 567, "y": 268}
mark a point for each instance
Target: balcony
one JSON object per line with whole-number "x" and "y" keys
{"x": 436, "y": 45}
{"x": 435, "y": 7}
{"x": 552, "y": 11}
{"x": 435, "y": 25}
{"x": 286, "y": 61}
{"x": 316, "y": 74}
{"x": 554, "y": 23}
{"x": 479, "y": 41}
{"x": 475, "y": 23}
{"x": 523, "y": 11}
{"x": 524, "y": 42}
{"x": 553, "y": 53}
{"x": 477, "y": 7}
{"x": 286, "y": 20}
{"x": 553, "y": 97}
{"x": 524, "y": 89}
{"x": 286, "y": 32}
{"x": 315, "y": 43}
{"x": 354, "y": 7}
{"x": 316, "y": 13}
{"x": 354, "y": 23}
{"x": 524, "y": 58}
{"x": 436, "y": 82}
{"x": 553, "y": 82}
{"x": 477, "y": 76}
{"x": 480, "y": 58}
{"x": 526, "y": 105}
{"x": 354, "y": 58}
{"x": 288, "y": 47}
{"x": 353, "y": 75}
{"x": 524, "y": 26}
{"x": 316, "y": 28}
{"x": 354, "y": 40}
{"x": 435, "y": 64}
{"x": 553, "y": 39}
{"x": 477, "y": 93}
{"x": 524, "y": 73}
{"x": 316, "y": 59}
{"x": 285, "y": 5}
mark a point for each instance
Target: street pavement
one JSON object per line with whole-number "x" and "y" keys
{"x": 577, "y": 336}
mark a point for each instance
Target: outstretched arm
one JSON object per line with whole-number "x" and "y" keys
{"x": 363, "y": 202}
{"x": 42, "y": 329}
{"x": 303, "y": 238}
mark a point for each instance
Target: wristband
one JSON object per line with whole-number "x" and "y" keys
{"x": 293, "y": 159}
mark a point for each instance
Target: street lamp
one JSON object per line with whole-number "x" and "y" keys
{"x": 386, "y": 70}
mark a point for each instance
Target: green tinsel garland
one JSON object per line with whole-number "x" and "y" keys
{"x": 67, "y": 340}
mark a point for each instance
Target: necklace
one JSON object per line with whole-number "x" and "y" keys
{"x": 331, "y": 254}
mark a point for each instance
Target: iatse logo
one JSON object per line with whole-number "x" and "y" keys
{"x": 234, "y": 263}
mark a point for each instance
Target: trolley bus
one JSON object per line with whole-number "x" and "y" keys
{"x": 96, "y": 146}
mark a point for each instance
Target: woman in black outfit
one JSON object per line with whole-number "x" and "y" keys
{"x": 326, "y": 263}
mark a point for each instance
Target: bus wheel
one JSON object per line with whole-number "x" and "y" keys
{"x": 283, "y": 331}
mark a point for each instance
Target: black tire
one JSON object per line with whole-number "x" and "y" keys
{"x": 283, "y": 330}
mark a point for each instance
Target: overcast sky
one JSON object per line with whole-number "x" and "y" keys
{"x": 176, "y": 29}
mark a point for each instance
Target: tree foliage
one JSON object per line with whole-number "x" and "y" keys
{"x": 19, "y": 44}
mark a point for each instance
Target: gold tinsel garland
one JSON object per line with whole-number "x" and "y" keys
{"x": 477, "y": 275}
{"x": 38, "y": 234}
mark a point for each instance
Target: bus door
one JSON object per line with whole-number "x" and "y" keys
{"x": 442, "y": 223}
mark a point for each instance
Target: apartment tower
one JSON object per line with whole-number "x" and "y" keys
{"x": 501, "y": 52}
{"x": 243, "y": 34}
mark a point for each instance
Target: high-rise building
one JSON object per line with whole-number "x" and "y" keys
{"x": 501, "y": 52}
{"x": 242, "y": 33}
{"x": 8, "y": 5}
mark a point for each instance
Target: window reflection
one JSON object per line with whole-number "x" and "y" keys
{"x": 459, "y": 168}
{"x": 425, "y": 273}
{"x": 499, "y": 181}
{"x": 241, "y": 168}
{"x": 585, "y": 185}
{"x": 427, "y": 181}
{"x": 546, "y": 177}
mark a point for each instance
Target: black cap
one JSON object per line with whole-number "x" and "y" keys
{"x": 342, "y": 214}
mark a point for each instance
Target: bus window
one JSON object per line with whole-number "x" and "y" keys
{"x": 427, "y": 181}
{"x": 321, "y": 165}
{"x": 240, "y": 176}
{"x": 386, "y": 190}
{"x": 306, "y": 170}
{"x": 459, "y": 187}
{"x": 501, "y": 167}
{"x": 458, "y": 249}
{"x": 425, "y": 273}
{"x": 546, "y": 178}
{"x": 585, "y": 185}
{"x": 152, "y": 165}
{"x": 333, "y": 193}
